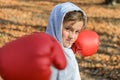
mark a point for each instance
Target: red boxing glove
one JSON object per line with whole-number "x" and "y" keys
{"x": 87, "y": 43}
{"x": 30, "y": 57}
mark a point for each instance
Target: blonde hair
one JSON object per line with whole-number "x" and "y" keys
{"x": 75, "y": 16}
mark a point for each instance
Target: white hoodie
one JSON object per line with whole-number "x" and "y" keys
{"x": 54, "y": 28}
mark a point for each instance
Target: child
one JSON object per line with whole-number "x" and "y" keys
{"x": 65, "y": 23}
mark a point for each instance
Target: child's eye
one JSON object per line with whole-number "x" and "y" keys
{"x": 77, "y": 32}
{"x": 67, "y": 28}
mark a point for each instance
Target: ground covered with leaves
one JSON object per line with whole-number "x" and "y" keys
{"x": 21, "y": 17}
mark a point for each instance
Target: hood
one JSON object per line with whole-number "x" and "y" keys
{"x": 55, "y": 23}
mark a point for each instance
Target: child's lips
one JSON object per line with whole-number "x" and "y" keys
{"x": 69, "y": 41}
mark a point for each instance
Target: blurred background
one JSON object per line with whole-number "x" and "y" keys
{"x": 21, "y": 17}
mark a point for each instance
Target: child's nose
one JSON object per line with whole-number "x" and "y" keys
{"x": 71, "y": 35}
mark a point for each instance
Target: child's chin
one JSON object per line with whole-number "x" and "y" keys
{"x": 69, "y": 46}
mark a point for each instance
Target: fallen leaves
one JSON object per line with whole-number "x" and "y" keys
{"x": 18, "y": 18}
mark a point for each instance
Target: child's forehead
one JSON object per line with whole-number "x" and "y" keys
{"x": 73, "y": 24}
{"x": 70, "y": 23}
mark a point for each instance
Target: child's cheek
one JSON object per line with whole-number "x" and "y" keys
{"x": 76, "y": 37}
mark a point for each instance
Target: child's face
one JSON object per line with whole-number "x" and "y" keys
{"x": 70, "y": 32}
